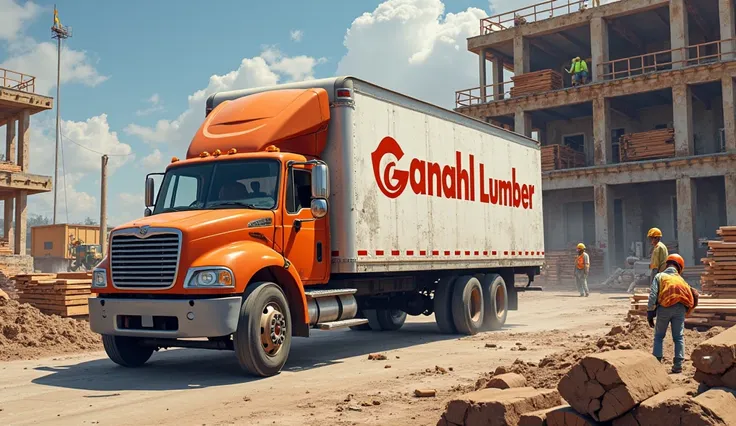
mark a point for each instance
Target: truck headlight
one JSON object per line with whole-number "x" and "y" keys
{"x": 209, "y": 277}
{"x": 99, "y": 278}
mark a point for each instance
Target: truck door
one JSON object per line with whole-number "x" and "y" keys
{"x": 306, "y": 242}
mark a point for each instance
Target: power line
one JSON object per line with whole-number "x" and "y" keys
{"x": 95, "y": 151}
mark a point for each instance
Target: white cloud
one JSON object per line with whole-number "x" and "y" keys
{"x": 71, "y": 203}
{"x": 152, "y": 160}
{"x": 131, "y": 207}
{"x": 15, "y": 16}
{"x": 296, "y": 35}
{"x": 154, "y": 105}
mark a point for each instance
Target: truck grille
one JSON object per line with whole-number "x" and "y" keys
{"x": 146, "y": 261}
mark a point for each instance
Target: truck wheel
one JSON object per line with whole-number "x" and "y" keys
{"x": 385, "y": 319}
{"x": 467, "y": 305}
{"x": 126, "y": 351}
{"x": 443, "y": 305}
{"x": 263, "y": 338}
{"x": 362, "y": 327}
{"x": 496, "y": 301}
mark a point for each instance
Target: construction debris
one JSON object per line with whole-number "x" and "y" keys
{"x": 719, "y": 278}
{"x": 498, "y": 406}
{"x": 649, "y": 145}
{"x": 63, "y": 294}
{"x": 506, "y": 381}
{"x": 425, "y": 393}
{"x": 557, "y": 157}
{"x": 536, "y": 82}
{"x": 539, "y": 418}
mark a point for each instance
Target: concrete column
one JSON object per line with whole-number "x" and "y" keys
{"x": 21, "y": 222}
{"x": 730, "y": 199}
{"x": 8, "y": 216}
{"x": 522, "y": 123}
{"x": 686, "y": 198}
{"x": 679, "y": 38}
{"x": 598, "y": 46}
{"x": 521, "y": 55}
{"x": 729, "y": 112}
{"x": 482, "y": 74}
{"x": 10, "y": 140}
{"x": 497, "y": 75}
{"x": 604, "y": 225}
{"x": 602, "y": 148}
{"x": 682, "y": 104}
{"x": 728, "y": 30}
{"x": 24, "y": 140}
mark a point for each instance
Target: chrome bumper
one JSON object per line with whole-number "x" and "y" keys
{"x": 203, "y": 318}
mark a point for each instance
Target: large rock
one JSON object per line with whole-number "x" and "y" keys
{"x": 716, "y": 407}
{"x": 538, "y": 418}
{"x": 498, "y": 406}
{"x": 506, "y": 381}
{"x": 719, "y": 406}
{"x": 568, "y": 417}
{"x": 717, "y": 354}
{"x": 666, "y": 408}
{"x": 607, "y": 385}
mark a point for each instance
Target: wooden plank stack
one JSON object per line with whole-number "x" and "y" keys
{"x": 649, "y": 145}
{"x": 63, "y": 294}
{"x": 5, "y": 249}
{"x": 710, "y": 312}
{"x": 6, "y": 166}
{"x": 560, "y": 265}
{"x": 556, "y": 157}
{"x": 536, "y": 82}
{"x": 719, "y": 278}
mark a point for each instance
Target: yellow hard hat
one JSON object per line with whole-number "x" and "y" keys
{"x": 581, "y": 246}
{"x": 654, "y": 232}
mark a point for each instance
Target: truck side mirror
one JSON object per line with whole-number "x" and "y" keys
{"x": 149, "y": 192}
{"x": 320, "y": 181}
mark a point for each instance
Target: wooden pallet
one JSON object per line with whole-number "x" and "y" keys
{"x": 719, "y": 278}
{"x": 709, "y": 313}
{"x": 557, "y": 157}
{"x": 64, "y": 294}
{"x": 536, "y": 82}
{"x": 649, "y": 145}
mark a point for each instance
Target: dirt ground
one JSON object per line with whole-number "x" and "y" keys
{"x": 328, "y": 378}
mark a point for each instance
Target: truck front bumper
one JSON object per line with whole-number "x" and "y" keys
{"x": 165, "y": 318}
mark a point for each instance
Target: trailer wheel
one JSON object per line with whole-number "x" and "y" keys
{"x": 263, "y": 338}
{"x": 443, "y": 305}
{"x": 496, "y": 301}
{"x": 126, "y": 351}
{"x": 385, "y": 319}
{"x": 467, "y": 305}
{"x": 362, "y": 327}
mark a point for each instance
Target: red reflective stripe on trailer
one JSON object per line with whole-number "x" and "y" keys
{"x": 513, "y": 253}
{"x": 542, "y": 253}
{"x": 395, "y": 252}
{"x": 335, "y": 253}
{"x": 494, "y": 252}
{"x": 505, "y": 253}
{"x": 485, "y": 253}
{"x": 447, "y": 252}
{"x": 410, "y": 252}
{"x": 467, "y": 252}
{"x": 477, "y": 253}
{"x": 526, "y": 253}
{"x": 362, "y": 252}
{"x": 379, "y": 252}
{"x": 422, "y": 252}
{"x": 457, "y": 252}
{"x": 435, "y": 252}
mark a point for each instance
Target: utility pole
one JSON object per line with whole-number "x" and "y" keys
{"x": 103, "y": 205}
{"x": 59, "y": 32}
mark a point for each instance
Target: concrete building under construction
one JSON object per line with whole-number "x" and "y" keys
{"x": 649, "y": 141}
{"x": 18, "y": 102}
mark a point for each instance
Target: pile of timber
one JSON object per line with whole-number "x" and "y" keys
{"x": 719, "y": 278}
{"x": 5, "y": 249}
{"x": 647, "y": 145}
{"x": 710, "y": 312}
{"x": 63, "y": 294}
{"x": 560, "y": 265}
{"x": 536, "y": 82}
{"x": 556, "y": 157}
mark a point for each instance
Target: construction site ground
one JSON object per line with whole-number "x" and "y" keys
{"x": 328, "y": 378}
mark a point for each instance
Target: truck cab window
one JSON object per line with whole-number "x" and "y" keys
{"x": 299, "y": 190}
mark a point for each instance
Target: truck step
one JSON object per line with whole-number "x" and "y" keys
{"x": 316, "y": 294}
{"x": 341, "y": 324}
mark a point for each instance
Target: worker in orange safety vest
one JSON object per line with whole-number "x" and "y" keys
{"x": 671, "y": 299}
{"x": 582, "y": 268}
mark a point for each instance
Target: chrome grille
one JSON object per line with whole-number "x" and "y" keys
{"x": 144, "y": 261}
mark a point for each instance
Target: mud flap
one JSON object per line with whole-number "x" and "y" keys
{"x": 513, "y": 300}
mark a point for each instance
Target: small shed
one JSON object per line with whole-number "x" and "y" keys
{"x": 50, "y": 244}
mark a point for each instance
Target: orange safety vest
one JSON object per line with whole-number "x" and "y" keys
{"x": 673, "y": 290}
{"x": 580, "y": 263}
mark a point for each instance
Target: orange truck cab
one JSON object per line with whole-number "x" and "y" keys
{"x": 249, "y": 241}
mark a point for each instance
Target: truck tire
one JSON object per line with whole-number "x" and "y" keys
{"x": 385, "y": 319}
{"x": 263, "y": 338}
{"x": 443, "y": 305}
{"x": 467, "y": 305}
{"x": 126, "y": 351}
{"x": 362, "y": 327}
{"x": 496, "y": 301}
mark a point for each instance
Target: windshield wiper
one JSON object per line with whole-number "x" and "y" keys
{"x": 235, "y": 203}
{"x": 176, "y": 209}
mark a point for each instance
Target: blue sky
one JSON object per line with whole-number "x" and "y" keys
{"x": 135, "y": 73}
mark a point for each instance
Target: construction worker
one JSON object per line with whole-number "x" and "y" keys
{"x": 671, "y": 299}
{"x": 579, "y": 71}
{"x": 582, "y": 268}
{"x": 659, "y": 252}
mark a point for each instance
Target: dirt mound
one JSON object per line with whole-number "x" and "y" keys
{"x": 26, "y": 333}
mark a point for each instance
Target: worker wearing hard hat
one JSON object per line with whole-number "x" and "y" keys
{"x": 671, "y": 299}
{"x": 659, "y": 252}
{"x": 579, "y": 71}
{"x": 582, "y": 268}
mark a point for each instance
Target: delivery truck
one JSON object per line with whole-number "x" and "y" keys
{"x": 325, "y": 204}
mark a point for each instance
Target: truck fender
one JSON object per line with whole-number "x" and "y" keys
{"x": 254, "y": 262}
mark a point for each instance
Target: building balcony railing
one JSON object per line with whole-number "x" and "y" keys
{"x": 697, "y": 54}
{"x": 537, "y": 12}
{"x": 482, "y": 95}
{"x": 17, "y": 81}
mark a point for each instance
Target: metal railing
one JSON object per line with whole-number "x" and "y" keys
{"x": 696, "y": 54}
{"x": 17, "y": 81}
{"x": 538, "y": 12}
{"x": 482, "y": 95}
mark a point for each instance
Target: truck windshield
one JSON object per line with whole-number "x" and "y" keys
{"x": 251, "y": 184}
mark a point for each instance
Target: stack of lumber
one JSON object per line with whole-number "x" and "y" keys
{"x": 556, "y": 157}
{"x": 536, "y": 82}
{"x": 719, "y": 278}
{"x": 63, "y": 294}
{"x": 560, "y": 264}
{"x": 5, "y": 249}
{"x": 710, "y": 312}
{"x": 7, "y": 166}
{"x": 647, "y": 145}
